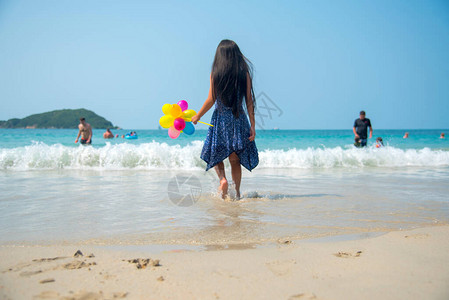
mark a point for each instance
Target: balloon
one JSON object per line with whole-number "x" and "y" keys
{"x": 176, "y": 111}
{"x": 166, "y": 108}
{"x": 189, "y": 113}
{"x": 179, "y": 124}
{"x": 166, "y": 121}
{"x": 189, "y": 129}
{"x": 177, "y": 118}
{"x": 173, "y": 133}
{"x": 183, "y": 104}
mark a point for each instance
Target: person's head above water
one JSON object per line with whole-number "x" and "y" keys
{"x": 82, "y": 120}
{"x": 379, "y": 142}
{"x": 230, "y": 73}
{"x": 362, "y": 115}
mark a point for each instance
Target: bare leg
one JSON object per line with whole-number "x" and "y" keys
{"x": 236, "y": 170}
{"x": 220, "y": 169}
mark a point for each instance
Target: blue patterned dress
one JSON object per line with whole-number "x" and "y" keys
{"x": 229, "y": 134}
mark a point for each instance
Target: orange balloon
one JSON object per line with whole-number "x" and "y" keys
{"x": 176, "y": 111}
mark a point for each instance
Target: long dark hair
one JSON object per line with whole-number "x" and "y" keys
{"x": 229, "y": 75}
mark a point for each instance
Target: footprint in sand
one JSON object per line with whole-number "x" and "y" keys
{"x": 47, "y": 295}
{"x": 48, "y": 280}
{"x": 303, "y": 296}
{"x": 20, "y": 267}
{"x": 74, "y": 265}
{"x": 82, "y": 295}
{"x": 142, "y": 263}
{"x": 348, "y": 254}
{"x": 30, "y": 273}
{"x": 119, "y": 295}
{"x": 37, "y": 266}
{"x": 49, "y": 259}
{"x": 109, "y": 276}
{"x": 226, "y": 273}
{"x": 17, "y": 268}
{"x": 281, "y": 268}
{"x": 418, "y": 236}
{"x": 85, "y": 296}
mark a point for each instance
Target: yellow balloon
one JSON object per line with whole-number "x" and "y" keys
{"x": 166, "y": 108}
{"x": 176, "y": 111}
{"x": 188, "y": 113}
{"x": 166, "y": 121}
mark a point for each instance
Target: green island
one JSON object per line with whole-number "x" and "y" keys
{"x": 64, "y": 118}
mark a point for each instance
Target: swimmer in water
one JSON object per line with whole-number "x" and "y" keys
{"x": 379, "y": 142}
{"x": 85, "y": 130}
{"x": 108, "y": 134}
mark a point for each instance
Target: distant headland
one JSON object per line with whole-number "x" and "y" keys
{"x": 64, "y": 118}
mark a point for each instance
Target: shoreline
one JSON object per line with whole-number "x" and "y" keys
{"x": 201, "y": 243}
{"x": 119, "y": 242}
{"x": 409, "y": 264}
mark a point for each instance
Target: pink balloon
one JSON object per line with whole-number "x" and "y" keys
{"x": 184, "y": 105}
{"x": 173, "y": 133}
{"x": 179, "y": 124}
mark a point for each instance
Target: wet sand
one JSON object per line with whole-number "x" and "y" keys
{"x": 398, "y": 265}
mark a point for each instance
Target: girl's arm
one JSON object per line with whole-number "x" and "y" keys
{"x": 206, "y": 106}
{"x": 250, "y": 107}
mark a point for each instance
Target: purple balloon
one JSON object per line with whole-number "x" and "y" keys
{"x": 183, "y": 104}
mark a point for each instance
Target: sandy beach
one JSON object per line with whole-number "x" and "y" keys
{"x": 398, "y": 265}
{"x": 279, "y": 150}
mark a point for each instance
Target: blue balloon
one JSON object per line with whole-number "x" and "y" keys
{"x": 189, "y": 129}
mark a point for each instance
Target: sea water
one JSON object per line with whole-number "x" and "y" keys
{"x": 154, "y": 190}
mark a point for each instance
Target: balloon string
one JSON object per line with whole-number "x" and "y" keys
{"x": 190, "y": 120}
{"x": 206, "y": 123}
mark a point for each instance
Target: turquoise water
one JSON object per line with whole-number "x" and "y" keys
{"x": 309, "y": 183}
{"x": 266, "y": 139}
{"x": 302, "y": 149}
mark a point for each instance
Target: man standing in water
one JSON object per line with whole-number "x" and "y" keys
{"x": 85, "y": 130}
{"x": 360, "y": 128}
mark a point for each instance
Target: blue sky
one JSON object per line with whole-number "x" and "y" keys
{"x": 320, "y": 62}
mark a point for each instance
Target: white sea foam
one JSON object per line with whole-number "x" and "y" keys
{"x": 340, "y": 158}
{"x": 162, "y": 156}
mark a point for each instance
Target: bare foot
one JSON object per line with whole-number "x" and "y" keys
{"x": 223, "y": 188}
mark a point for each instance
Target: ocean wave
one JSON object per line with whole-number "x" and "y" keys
{"x": 161, "y": 156}
{"x": 353, "y": 157}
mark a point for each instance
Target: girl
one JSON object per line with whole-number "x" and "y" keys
{"x": 231, "y": 136}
